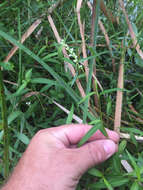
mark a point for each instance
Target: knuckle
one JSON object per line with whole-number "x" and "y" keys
{"x": 96, "y": 153}
{"x": 40, "y": 134}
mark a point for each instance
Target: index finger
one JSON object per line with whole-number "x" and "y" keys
{"x": 72, "y": 134}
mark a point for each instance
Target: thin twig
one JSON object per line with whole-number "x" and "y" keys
{"x": 9, "y": 82}
{"x": 24, "y": 37}
{"x": 127, "y": 136}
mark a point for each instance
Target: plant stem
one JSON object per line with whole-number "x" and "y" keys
{"x": 20, "y": 74}
{"x": 5, "y": 127}
{"x": 89, "y": 82}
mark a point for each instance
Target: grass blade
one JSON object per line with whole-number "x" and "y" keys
{"x": 89, "y": 133}
{"x": 89, "y": 82}
{"x": 70, "y": 115}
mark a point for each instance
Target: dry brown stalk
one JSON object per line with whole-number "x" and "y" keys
{"x": 24, "y": 37}
{"x": 132, "y": 34}
{"x": 119, "y": 97}
{"x": 71, "y": 68}
{"x": 9, "y": 82}
{"x": 81, "y": 26}
{"x": 107, "y": 12}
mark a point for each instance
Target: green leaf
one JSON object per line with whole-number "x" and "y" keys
{"x": 93, "y": 56}
{"x": 46, "y": 58}
{"x": 43, "y": 81}
{"x": 137, "y": 169}
{"x": 7, "y": 66}
{"x": 95, "y": 172}
{"x": 70, "y": 115}
{"x": 135, "y": 186}
{"x": 21, "y": 88}
{"x": 13, "y": 116}
{"x": 115, "y": 181}
{"x": 109, "y": 106}
{"x": 107, "y": 184}
{"x": 1, "y": 135}
{"x": 135, "y": 29}
{"x": 28, "y": 75}
{"x": 22, "y": 137}
{"x": 132, "y": 130}
{"x": 122, "y": 146}
{"x": 4, "y": 3}
{"x": 90, "y": 133}
{"x": 139, "y": 62}
{"x": 86, "y": 97}
{"x": 133, "y": 139}
{"x": 113, "y": 90}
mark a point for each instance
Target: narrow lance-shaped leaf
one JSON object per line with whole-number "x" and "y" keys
{"x": 70, "y": 115}
{"x": 90, "y": 133}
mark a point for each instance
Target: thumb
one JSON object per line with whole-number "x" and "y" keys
{"x": 94, "y": 153}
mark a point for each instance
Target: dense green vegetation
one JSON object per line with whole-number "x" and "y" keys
{"x": 48, "y": 74}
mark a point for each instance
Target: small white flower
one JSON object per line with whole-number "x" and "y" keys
{"x": 28, "y": 103}
{"x": 71, "y": 54}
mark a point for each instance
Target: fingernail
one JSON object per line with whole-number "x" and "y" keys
{"x": 109, "y": 147}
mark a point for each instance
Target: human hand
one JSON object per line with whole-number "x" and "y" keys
{"x": 53, "y": 162}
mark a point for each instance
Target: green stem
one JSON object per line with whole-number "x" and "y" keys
{"x": 5, "y": 127}
{"x": 20, "y": 74}
{"x": 89, "y": 82}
